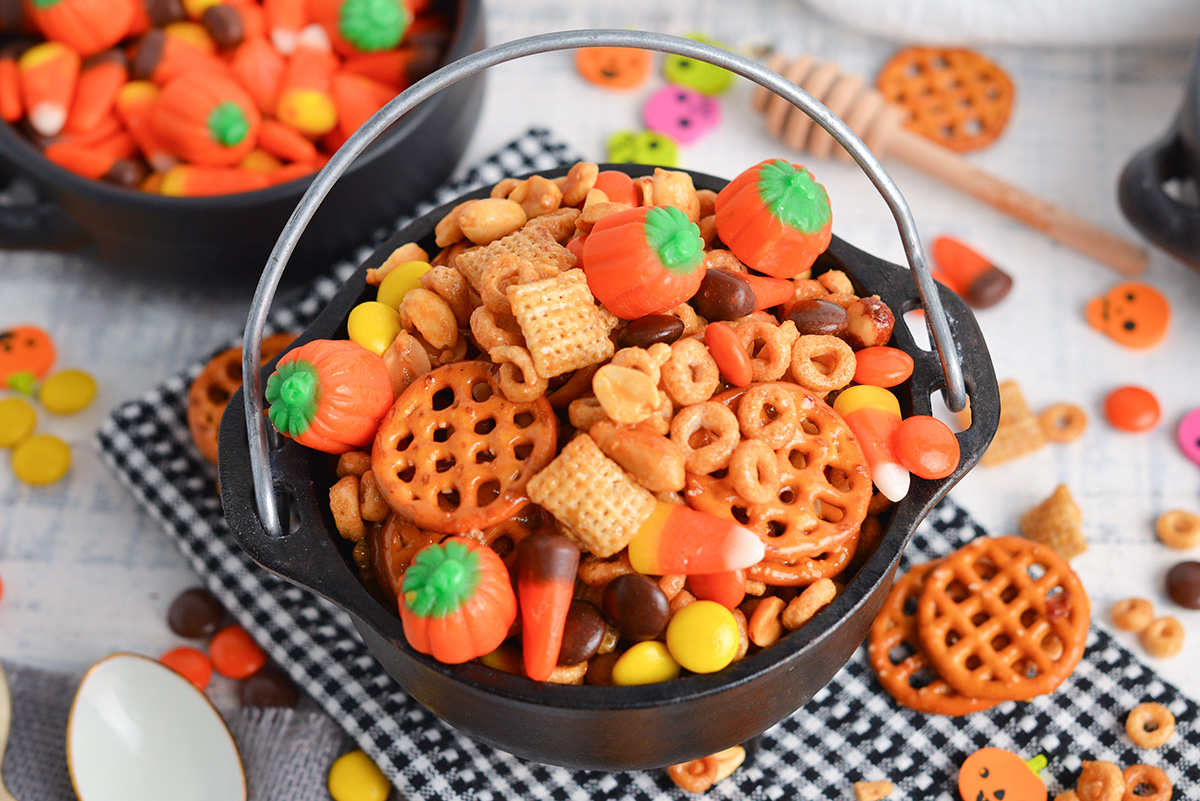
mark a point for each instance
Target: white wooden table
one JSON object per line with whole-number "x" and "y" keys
{"x": 86, "y": 573}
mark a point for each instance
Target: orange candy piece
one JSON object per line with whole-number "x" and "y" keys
{"x": 194, "y": 665}
{"x": 1132, "y": 409}
{"x": 25, "y": 350}
{"x": 1134, "y": 314}
{"x": 234, "y": 654}
{"x": 882, "y": 366}
{"x": 732, "y": 359}
{"x": 926, "y": 447}
{"x": 614, "y": 67}
{"x": 728, "y": 588}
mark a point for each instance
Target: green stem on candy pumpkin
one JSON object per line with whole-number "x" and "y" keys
{"x": 675, "y": 240}
{"x": 293, "y": 392}
{"x": 791, "y": 194}
{"x": 227, "y": 124}
{"x": 440, "y": 580}
{"x": 373, "y": 25}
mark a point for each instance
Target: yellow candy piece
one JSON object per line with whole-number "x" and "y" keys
{"x": 41, "y": 459}
{"x": 645, "y": 663}
{"x": 354, "y": 777}
{"x": 703, "y": 637}
{"x": 67, "y": 391}
{"x": 17, "y": 419}
{"x": 396, "y": 284}
{"x": 309, "y": 111}
{"x": 373, "y": 325}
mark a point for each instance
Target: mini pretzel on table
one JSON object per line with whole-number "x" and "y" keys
{"x": 881, "y": 127}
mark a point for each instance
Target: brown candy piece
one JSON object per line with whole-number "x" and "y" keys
{"x": 269, "y": 687}
{"x": 164, "y": 12}
{"x": 651, "y": 329}
{"x": 821, "y": 317}
{"x": 195, "y": 613}
{"x": 224, "y": 24}
{"x": 583, "y": 633}
{"x": 723, "y": 295}
{"x": 636, "y": 606}
{"x": 1183, "y": 584}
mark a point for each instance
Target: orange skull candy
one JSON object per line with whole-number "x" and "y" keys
{"x": 993, "y": 774}
{"x": 1134, "y": 314}
{"x": 614, "y": 67}
{"x": 26, "y": 353}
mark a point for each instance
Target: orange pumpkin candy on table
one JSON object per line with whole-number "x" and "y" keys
{"x": 26, "y": 354}
{"x": 614, "y": 67}
{"x": 329, "y": 395}
{"x": 775, "y": 217}
{"x": 994, "y": 773}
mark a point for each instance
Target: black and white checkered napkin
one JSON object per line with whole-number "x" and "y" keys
{"x": 852, "y": 730}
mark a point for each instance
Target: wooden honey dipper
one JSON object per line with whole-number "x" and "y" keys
{"x": 881, "y": 127}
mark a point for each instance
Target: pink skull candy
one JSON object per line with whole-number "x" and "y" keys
{"x": 1189, "y": 435}
{"x": 682, "y": 114}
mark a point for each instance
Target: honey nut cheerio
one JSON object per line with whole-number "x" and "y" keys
{"x": 525, "y": 406}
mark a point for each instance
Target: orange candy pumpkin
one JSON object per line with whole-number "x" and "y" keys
{"x": 26, "y": 354}
{"x": 614, "y": 67}
{"x": 207, "y": 119}
{"x": 990, "y": 774}
{"x": 329, "y": 395}
{"x": 775, "y": 218}
{"x": 1134, "y": 314}
{"x": 87, "y": 26}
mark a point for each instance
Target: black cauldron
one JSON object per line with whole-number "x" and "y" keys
{"x": 607, "y": 728}
{"x": 227, "y": 238}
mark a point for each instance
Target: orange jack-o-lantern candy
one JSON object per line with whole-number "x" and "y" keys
{"x": 775, "y": 217}
{"x": 1133, "y": 313}
{"x": 614, "y": 67}
{"x": 992, "y": 774}
{"x": 26, "y": 355}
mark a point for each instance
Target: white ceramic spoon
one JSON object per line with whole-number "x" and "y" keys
{"x": 5, "y": 725}
{"x": 138, "y": 731}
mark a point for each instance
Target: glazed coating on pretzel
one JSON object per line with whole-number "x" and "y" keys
{"x": 1004, "y": 618}
{"x": 811, "y": 526}
{"x": 453, "y": 454}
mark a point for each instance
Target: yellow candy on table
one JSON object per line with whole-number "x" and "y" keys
{"x": 354, "y": 777}
{"x": 400, "y": 281}
{"x": 41, "y": 459}
{"x": 17, "y": 419}
{"x": 67, "y": 391}
{"x": 373, "y": 325}
{"x": 645, "y": 663}
{"x": 703, "y": 637}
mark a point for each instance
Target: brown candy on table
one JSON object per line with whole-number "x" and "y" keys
{"x": 723, "y": 295}
{"x": 820, "y": 317}
{"x": 651, "y": 329}
{"x": 583, "y": 633}
{"x": 636, "y": 606}
{"x": 195, "y": 613}
{"x": 164, "y": 12}
{"x": 269, "y": 687}
{"x": 1183, "y": 584}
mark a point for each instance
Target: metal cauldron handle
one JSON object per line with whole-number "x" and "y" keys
{"x": 935, "y": 316}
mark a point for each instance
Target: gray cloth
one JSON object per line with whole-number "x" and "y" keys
{"x": 286, "y": 752}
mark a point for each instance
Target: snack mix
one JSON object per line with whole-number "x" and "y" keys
{"x": 613, "y": 455}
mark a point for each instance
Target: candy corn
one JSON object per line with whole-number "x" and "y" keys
{"x": 285, "y": 20}
{"x": 768, "y": 291}
{"x": 357, "y": 98}
{"x": 546, "y": 565}
{"x": 285, "y": 142}
{"x": 680, "y": 540}
{"x": 134, "y": 105}
{"x": 194, "y": 180}
{"x": 305, "y": 99}
{"x": 49, "y": 72}
{"x": 980, "y": 282}
{"x": 100, "y": 80}
{"x": 873, "y": 414}
{"x": 259, "y": 68}
{"x": 11, "y": 107}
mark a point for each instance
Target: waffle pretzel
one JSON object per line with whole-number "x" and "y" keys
{"x": 811, "y": 527}
{"x": 953, "y": 96}
{"x": 894, "y": 650}
{"x": 211, "y": 390}
{"x": 1003, "y": 618}
{"x": 453, "y": 454}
